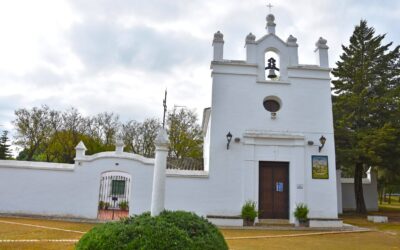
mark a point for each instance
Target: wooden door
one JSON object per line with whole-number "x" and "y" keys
{"x": 273, "y": 190}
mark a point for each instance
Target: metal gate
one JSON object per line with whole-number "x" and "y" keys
{"x": 114, "y": 195}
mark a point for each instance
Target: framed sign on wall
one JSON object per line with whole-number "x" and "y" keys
{"x": 320, "y": 168}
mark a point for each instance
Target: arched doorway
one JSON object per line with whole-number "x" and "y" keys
{"x": 114, "y": 195}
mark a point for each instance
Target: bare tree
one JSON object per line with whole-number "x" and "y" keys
{"x": 131, "y": 136}
{"x": 139, "y": 137}
{"x": 108, "y": 124}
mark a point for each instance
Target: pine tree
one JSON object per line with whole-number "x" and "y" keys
{"x": 363, "y": 103}
{"x": 5, "y": 151}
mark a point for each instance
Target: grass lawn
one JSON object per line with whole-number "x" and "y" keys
{"x": 23, "y": 232}
{"x": 393, "y": 207}
{"x": 384, "y": 236}
{"x": 366, "y": 240}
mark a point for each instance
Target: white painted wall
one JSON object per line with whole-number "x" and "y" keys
{"x": 238, "y": 91}
{"x": 72, "y": 190}
{"x": 370, "y": 189}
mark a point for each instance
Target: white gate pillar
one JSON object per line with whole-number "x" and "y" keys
{"x": 158, "y": 192}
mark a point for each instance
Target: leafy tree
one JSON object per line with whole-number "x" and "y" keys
{"x": 51, "y": 135}
{"x": 363, "y": 104}
{"x": 185, "y": 135}
{"x": 33, "y": 128}
{"x": 5, "y": 151}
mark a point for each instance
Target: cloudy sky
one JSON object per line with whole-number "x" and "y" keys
{"x": 120, "y": 55}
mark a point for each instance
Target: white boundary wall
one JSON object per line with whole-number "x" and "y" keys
{"x": 72, "y": 190}
{"x": 370, "y": 193}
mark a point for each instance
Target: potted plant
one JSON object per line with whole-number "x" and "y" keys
{"x": 101, "y": 205}
{"x": 124, "y": 205}
{"x": 301, "y": 214}
{"x": 249, "y": 213}
{"x": 106, "y": 205}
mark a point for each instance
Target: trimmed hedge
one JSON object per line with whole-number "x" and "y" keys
{"x": 170, "y": 230}
{"x": 203, "y": 234}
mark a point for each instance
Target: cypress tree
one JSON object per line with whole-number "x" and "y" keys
{"x": 363, "y": 104}
{"x": 5, "y": 151}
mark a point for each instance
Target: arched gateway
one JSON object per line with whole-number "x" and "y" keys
{"x": 114, "y": 195}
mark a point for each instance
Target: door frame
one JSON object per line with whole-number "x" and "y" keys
{"x": 288, "y": 185}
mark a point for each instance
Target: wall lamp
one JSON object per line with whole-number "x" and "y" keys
{"x": 228, "y": 138}
{"x": 322, "y": 140}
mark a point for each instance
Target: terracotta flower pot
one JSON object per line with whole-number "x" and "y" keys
{"x": 248, "y": 222}
{"x": 303, "y": 223}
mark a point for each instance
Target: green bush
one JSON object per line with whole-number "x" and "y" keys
{"x": 203, "y": 234}
{"x": 249, "y": 211}
{"x": 170, "y": 230}
{"x": 301, "y": 212}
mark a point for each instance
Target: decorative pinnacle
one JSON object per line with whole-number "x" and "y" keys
{"x": 321, "y": 43}
{"x": 270, "y": 24}
{"x": 270, "y": 20}
{"x": 161, "y": 138}
{"x": 80, "y": 146}
{"x": 250, "y": 38}
{"x": 218, "y": 37}
{"x": 292, "y": 41}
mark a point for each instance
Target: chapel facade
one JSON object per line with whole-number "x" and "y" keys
{"x": 269, "y": 133}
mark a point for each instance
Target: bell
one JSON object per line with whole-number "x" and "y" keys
{"x": 271, "y": 66}
{"x": 272, "y": 74}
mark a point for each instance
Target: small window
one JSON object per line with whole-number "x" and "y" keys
{"x": 272, "y": 105}
{"x": 117, "y": 187}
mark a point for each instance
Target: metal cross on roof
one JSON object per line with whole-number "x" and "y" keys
{"x": 270, "y": 7}
{"x": 165, "y": 108}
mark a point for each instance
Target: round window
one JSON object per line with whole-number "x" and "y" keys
{"x": 271, "y": 105}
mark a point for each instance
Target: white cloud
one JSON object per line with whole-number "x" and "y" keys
{"x": 119, "y": 56}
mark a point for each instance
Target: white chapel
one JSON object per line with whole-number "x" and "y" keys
{"x": 269, "y": 125}
{"x": 268, "y": 138}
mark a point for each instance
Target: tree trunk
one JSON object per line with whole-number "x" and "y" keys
{"x": 390, "y": 198}
{"x": 30, "y": 155}
{"x": 358, "y": 189}
{"x": 381, "y": 191}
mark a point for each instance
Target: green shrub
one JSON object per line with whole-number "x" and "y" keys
{"x": 249, "y": 211}
{"x": 301, "y": 212}
{"x": 171, "y": 230}
{"x": 203, "y": 234}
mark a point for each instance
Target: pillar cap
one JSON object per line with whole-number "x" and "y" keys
{"x": 292, "y": 41}
{"x": 250, "y": 38}
{"x": 270, "y": 19}
{"x": 162, "y": 138}
{"x": 80, "y": 146}
{"x": 321, "y": 43}
{"x": 270, "y": 24}
{"x": 119, "y": 145}
{"x": 218, "y": 37}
